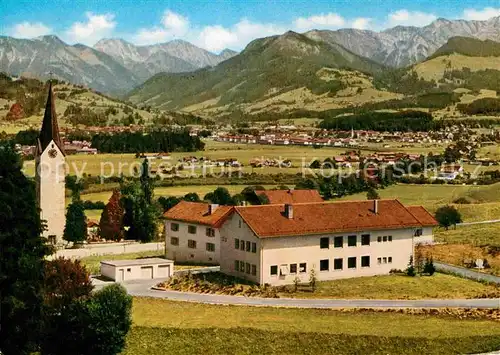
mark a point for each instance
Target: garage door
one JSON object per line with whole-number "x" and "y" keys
{"x": 146, "y": 272}
{"x": 163, "y": 270}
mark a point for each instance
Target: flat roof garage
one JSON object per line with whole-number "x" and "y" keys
{"x": 137, "y": 269}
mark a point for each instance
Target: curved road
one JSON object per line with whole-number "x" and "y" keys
{"x": 144, "y": 289}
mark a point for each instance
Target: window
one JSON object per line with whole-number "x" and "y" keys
{"x": 274, "y": 270}
{"x": 254, "y": 247}
{"x": 236, "y": 265}
{"x": 302, "y": 267}
{"x": 247, "y": 268}
{"x": 324, "y": 265}
{"x": 174, "y": 240}
{"x": 284, "y": 270}
{"x": 242, "y": 266}
{"x": 324, "y": 243}
{"x": 379, "y": 260}
{"x": 211, "y": 247}
{"x": 174, "y": 227}
{"x": 389, "y": 259}
{"x": 389, "y": 238}
{"x": 351, "y": 240}
{"x": 293, "y": 268}
{"x": 351, "y": 262}
{"x": 192, "y": 244}
{"x": 239, "y": 223}
{"x": 254, "y": 270}
{"x": 338, "y": 242}
{"x": 249, "y": 246}
{"x": 52, "y": 239}
{"x": 236, "y": 243}
{"x": 192, "y": 229}
{"x": 338, "y": 264}
{"x": 365, "y": 239}
{"x": 210, "y": 232}
{"x": 365, "y": 261}
{"x": 384, "y": 260}
{"x": 418, "y": 232}
{"x": 242, "y": 245}
{"x": 129, "y": 270}
{"x": 379, "y": 239}
{"x": 385, "y": 238}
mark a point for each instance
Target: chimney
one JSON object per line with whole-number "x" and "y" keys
{"x": 375, "y": 206}
{"x": 212, "y": 207}
{"x": 289, "y": 211}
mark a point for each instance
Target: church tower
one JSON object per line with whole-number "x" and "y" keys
{"x": 50, "y": 174}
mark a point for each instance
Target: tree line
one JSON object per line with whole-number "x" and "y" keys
{"x": 175, "y": 140}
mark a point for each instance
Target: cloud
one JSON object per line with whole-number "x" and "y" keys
{"x": 29, "y": 30}
{"x": 329, "y": 20}
{"x": 410, "y": 18}
{"x": 173, "y": 25}
{"x": 361, "y": 23}
{"x": 217, "y": 38}
{"x": 96, "y": 27}
{"x": 481, "y": 15}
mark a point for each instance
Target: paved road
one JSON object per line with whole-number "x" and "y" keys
{"x": 143, "y": 288}
{"x": 479, "y": 222}
{"x": 466, "y": 273}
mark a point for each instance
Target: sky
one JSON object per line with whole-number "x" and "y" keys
{"x": 216, "y": 24}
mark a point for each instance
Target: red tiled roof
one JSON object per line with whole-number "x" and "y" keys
{"x": 197, "y": 212}
{"x": 318, "y": 218}
{"x": 290, "y": 196}
{"x": 423, "y": 216}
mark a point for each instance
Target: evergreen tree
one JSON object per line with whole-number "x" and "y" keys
{"x": 429, "y": 267}
{"x": 372, "y": 194}
{"x": 410, "y": 270}
{"x": 76, "y": 223}
{"x": 111, "y": 223}
{"x": 21, "y": 264}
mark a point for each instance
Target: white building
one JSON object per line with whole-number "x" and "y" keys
{"x": 192, "y": 232}
{"x": 50, "y": 173}
{"x": 274, "y": 244}
{"x": 138, "y": 269}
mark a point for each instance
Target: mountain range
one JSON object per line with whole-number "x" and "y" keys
{"x": 116, "y": 66}
{"x": 112, "y": 66}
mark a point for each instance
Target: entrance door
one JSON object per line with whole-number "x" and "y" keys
{"x": 146, "y": 272}
{"x": 120, "y": 275}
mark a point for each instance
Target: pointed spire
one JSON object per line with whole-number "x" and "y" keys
{"x": 50, "y": 128}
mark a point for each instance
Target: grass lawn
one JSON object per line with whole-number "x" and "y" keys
{"x": 371, "y": 287}
{"x": 399, "y": 287}
{"x": 469, "y": 243}
{"x": 166, "y": 327}
{"x": 479, "y": 234}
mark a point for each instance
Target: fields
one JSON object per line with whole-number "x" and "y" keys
{"x": 164, "y": 327}
{"x": 468, "y": 243}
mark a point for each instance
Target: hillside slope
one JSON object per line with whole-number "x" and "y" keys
{"x": 266, "y": 68}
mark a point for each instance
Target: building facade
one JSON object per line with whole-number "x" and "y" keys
{"x": 274, "y": 244}
{"x": 50, "y": 173}
{"x": 192, "y": 232}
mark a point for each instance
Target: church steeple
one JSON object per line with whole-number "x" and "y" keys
{"x": 50, "y": 128}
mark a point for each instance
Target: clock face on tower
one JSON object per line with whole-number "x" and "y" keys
{"x": 52, "y": 153}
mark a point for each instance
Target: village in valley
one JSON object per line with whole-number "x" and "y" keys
{"x": 329, "y": 202}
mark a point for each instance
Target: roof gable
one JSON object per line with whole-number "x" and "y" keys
{"x": 198, "y": 213}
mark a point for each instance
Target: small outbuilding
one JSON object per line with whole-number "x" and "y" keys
{"x": 138, "y": 269}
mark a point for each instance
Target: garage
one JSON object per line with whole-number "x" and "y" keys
{"x": 137, "y": 269}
